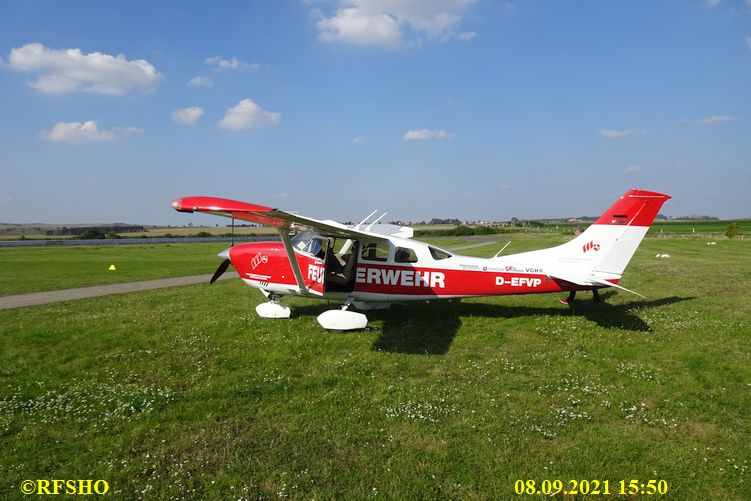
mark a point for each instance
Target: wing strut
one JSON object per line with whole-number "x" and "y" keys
{"x": 284, "y": 235}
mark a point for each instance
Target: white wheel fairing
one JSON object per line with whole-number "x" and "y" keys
{"x": 273, "y": 310}
{"x": 342, "y": 320}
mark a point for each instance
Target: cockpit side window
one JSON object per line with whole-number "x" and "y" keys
{"x": 375, "y": 252}
{"x": 404, "y": 255}
{"x": 438, "y": 254}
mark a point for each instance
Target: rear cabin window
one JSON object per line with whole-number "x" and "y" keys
{"x": 375, "y": 252}
{"x": 438, "y": 254}
{"x": 404, "y": 255}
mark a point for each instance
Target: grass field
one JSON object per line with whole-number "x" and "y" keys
{"x": 38, "y": 269}
{"x": 185, "y": 393}
{"x": 32, "y": 269}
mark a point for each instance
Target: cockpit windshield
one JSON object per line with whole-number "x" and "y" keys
{"x": 309, "y": 243}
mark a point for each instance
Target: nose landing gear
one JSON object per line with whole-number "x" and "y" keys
{"x": 272, "y": 308}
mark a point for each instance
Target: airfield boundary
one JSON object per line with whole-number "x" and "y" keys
{"x": 133, "y": 241}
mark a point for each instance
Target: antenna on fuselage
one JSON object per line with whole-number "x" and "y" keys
{"x": 502, "y": 249}
{"x": 374, "y": 222}
{"x": 357, "y": 226}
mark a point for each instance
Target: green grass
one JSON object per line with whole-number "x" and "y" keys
{"x": 185, "y": 392}
{"x": 25, "y": 270}
{"x": 698, "y": 227}
{"x": 38, "y": 269}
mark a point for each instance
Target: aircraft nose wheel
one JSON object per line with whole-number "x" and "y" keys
{"x": 342, "y": 319}
{"x": 272, "y": 308}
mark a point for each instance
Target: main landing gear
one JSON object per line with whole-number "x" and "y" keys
{"x": 343, "y": 319}
{"x": 332, "y": 320}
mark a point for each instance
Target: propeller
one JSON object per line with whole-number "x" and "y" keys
{"x": 219, "y": 271}
{"x": 222, "y": 267}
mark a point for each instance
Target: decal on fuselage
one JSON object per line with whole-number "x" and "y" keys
{"x": 316, "y": 273}
{"x": 404, "y": 277}
{"x": 518, "y": 281}
{"x": 258, "y": 259}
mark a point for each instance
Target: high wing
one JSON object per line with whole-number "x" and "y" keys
{"x": 272, "y": 217}
{"x": 280, "y": 220}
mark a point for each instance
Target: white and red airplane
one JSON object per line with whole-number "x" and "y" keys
{"x": 371, "y": 265}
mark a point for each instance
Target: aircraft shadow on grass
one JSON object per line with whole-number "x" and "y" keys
{"x": 430, "y": 328}
{"x": 417, "y": 328}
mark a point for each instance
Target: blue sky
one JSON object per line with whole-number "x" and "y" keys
{"x": 478, "y": 109}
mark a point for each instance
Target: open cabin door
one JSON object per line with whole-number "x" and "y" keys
{"x": 341, "y": 265}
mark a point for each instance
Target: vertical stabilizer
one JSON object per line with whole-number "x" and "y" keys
{"x": 609, "y": 243}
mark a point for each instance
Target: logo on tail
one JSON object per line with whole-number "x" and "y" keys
{"x": 591, "y": 245}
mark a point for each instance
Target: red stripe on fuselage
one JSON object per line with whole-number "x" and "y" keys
{"x": 408, "y": 280}
{"x": 267, "y": 262}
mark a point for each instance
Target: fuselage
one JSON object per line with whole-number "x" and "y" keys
{"x": 402, "y": 271}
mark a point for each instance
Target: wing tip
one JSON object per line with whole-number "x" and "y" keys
{"x": 178, "y": 206}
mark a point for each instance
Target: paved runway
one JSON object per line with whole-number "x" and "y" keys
{"x": 36, "y": 298}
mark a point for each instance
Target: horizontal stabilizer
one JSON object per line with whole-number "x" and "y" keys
{"x": 610, "y": 284}
{"x": 590, "y": 280}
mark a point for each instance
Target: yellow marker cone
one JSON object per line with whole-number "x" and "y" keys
{"x": 112, "y": 268}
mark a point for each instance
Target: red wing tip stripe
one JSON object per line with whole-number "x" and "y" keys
{"x": 215, "y": 204}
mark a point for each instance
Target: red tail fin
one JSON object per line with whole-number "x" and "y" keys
{"x": 634, "y": 208}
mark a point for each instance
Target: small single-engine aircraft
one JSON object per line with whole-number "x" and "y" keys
{"x": 371, "y": 265}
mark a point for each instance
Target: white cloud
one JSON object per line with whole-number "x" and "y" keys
{"x": 66, "y": 71}
{"x": 713, "y": 3}
{"x": 358, "y": 139}
{"x": 187, "y": 116}
{"x": 221, "y": 63}
{"x": 632, "y": 169}
{"x": 86, "y": 132}
{"x": 709, "y": 120}
{"x": 200, "y": 81}
{"x": 748, "y": 39}
{"x": 382, "y": 22}
{"x": 466, "y": 35}
{"x": 354, "y": 26}
{"x": 247, "y": 114}
{"x": 614, "y": 133}
{"x": 716, "y": 120}
{"x": 420, "y": 134}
